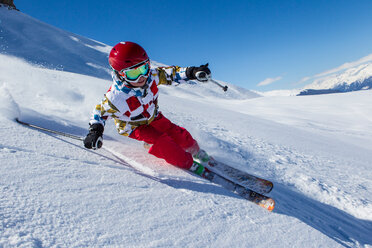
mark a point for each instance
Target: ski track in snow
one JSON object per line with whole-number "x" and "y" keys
{"x": 264, "y": 156}
{"x": 299, "y": 169}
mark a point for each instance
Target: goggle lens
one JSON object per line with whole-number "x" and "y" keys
{"x": 134, "y": 74}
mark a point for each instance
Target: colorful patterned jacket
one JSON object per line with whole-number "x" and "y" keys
{"x": 132, "y": 107}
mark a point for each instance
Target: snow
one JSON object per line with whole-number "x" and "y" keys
{"x": 8, "y": 108}
{"x": 54, "y": 193}
{"x": 47, "y": 46}
{"x": 294, "y": 92}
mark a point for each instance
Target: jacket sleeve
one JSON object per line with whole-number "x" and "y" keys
{"x": 170, "y": 74}
{"x": 103, "y": 111}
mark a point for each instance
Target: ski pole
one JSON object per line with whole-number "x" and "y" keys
{"x": 50, "y": 131}
{"x": 224, "y": 88}
{"x": 204, "y": 77}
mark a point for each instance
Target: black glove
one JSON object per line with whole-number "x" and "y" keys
{"x": 94, "y": 137}
{"x": 200, "y": 73}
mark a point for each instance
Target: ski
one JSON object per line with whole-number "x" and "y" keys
{"x": 242, "y": 178}
{"x": 239, "y": 177}
{"x": 248, "y": 194}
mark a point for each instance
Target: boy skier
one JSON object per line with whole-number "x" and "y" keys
{"x": 132, "y": 101}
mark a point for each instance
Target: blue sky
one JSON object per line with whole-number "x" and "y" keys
{"x": 261, "y": 45}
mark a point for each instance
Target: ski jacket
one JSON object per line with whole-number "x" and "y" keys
{"x": 133, "y": 107}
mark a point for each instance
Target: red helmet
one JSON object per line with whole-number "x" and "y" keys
{"x": 126, "y": 54}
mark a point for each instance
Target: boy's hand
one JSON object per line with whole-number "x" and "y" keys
{"x": 94, "y": 137}
{"x": 200, "y": 73}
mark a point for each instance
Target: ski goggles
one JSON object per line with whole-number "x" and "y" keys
{"x": 134, "y": 73}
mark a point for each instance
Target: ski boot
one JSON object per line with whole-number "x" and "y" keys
{"x": 201, "y": 156}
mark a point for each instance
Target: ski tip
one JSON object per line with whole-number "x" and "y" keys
{"x": 19, "y": 121}
{"x": 270, "y": 187}
{"x": 268, "y": 204}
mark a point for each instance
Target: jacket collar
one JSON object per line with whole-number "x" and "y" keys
{"x": 121, "y": 86}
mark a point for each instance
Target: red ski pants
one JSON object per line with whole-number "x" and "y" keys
{"x": 170, "y": 142}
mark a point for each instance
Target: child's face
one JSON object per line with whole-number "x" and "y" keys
{"x": 141, "y": 82}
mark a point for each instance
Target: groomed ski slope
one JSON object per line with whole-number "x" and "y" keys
{"x": 54, "y": 193}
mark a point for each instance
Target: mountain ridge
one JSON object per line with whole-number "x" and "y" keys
{"x": 352, "y": 79}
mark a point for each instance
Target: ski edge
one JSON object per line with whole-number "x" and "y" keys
{"x": 268, "y": 185}
{"x": 259, "y": 199}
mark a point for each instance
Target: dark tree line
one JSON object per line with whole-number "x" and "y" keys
{"x": 10, "y": 3}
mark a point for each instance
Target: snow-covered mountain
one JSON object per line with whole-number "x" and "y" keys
{"x": 352, "y": 79}
{"x": 47, "y": 46}
{"x": 54, "y": 193}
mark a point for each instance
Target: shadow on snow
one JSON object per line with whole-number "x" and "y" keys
{"x": 344, "y": 228}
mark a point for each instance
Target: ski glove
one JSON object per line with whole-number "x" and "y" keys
{"x": 94, "y": 138}
{"x": 200, "y": 73}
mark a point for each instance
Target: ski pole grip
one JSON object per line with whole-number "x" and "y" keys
{"x": 202, "y": 76}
